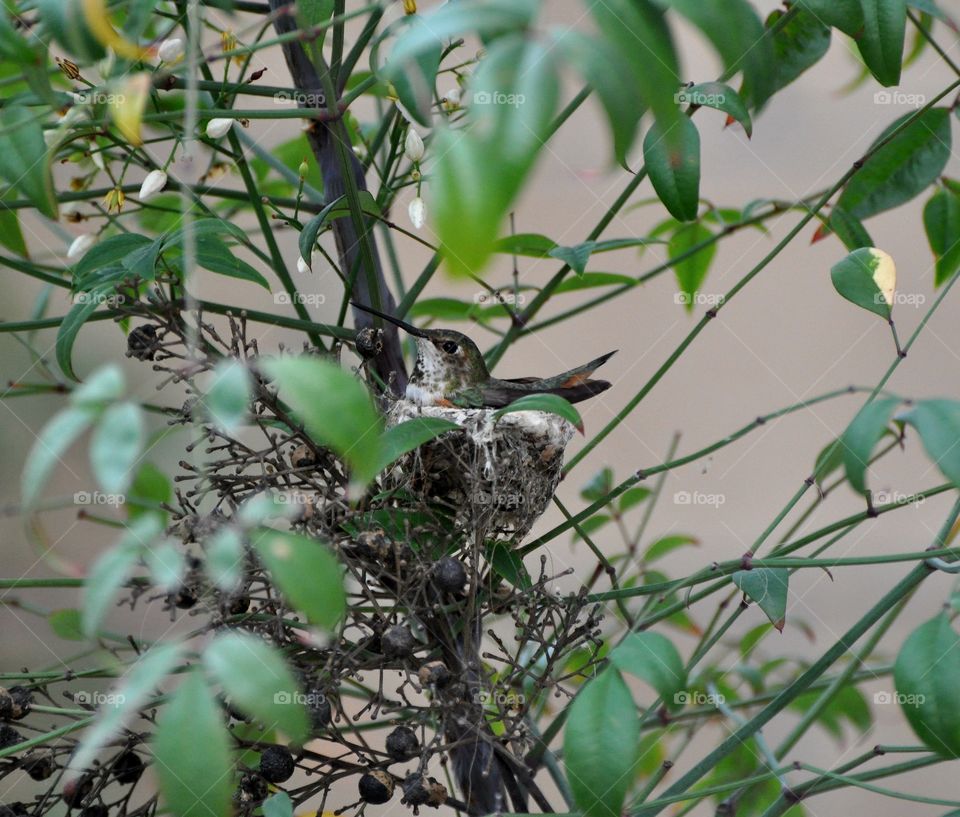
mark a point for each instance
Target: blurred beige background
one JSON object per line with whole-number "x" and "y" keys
{"x": 787, "y": 337}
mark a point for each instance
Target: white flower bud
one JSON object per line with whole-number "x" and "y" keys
{"x": 80, "y": 245}
{"x": 451, "y": 98}
{"x": 413, "y": 146}
{"x": 417, "y": 212}
{"x": 218, "y": 127}
{"x": 155, "y": 182}
{"x": 170, "y": 50}
{"x": 303, "y": 267}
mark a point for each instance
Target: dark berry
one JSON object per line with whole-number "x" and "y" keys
{"x": 276, "y": 764}
{"x": 39, "y": 764}
{"x": 402, "y": 744}
{"x": 235, "y": 605}
{"x": 75, "y": 791}
{"x": 9, "y": 736}
{"x": 397, "y": 642}
{"x": 95, "y": 810}
{"x": 128, "y": 767}
{"x": 252, "y": 788}
{"x": 434, "y": 674}
{"x": 184, "y": 598}
{"x": 449, "y": 575}
{"x": 369, "y": 342}
{"x": 142, "y": 342}
{"x": 375, "y": 787}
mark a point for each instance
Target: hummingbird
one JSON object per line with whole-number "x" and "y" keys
{"x": 451, "y": 372}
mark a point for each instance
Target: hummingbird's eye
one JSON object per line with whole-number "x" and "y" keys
{"x": 450, "y": 347}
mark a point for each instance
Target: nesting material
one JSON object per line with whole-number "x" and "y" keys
{"x": 496, "y": 475}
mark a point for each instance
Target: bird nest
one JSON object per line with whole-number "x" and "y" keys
{"x": 496, "y": 475}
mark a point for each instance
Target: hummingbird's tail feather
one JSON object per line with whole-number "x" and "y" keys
{"x": 579, "y": 390}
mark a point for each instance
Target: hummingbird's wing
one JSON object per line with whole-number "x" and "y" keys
{"x": 574, "y": 386}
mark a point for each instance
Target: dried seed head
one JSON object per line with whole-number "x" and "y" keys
{"x": 398, "y": 641}
{"x": 402, "y": 744}
{"x": 369, "y": 342}
{"x": 434, "y": 674}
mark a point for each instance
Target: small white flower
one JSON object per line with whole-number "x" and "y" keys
{"x": 451, "y": 99}
{"x": 218, "y": 127}
{"x": 303, "y": 267}
{"x": 417, "y": 212}
{"x": 80, "y": 245}
{"x": 170, "y": 50}
{"x": 155, "y": 182}
{"x": 413, "y": 146}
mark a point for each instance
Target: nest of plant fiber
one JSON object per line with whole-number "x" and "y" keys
{"x": 496, "y": 475}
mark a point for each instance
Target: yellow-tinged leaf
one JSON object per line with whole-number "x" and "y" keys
{"x": 884, "y": 273}
{"x": 98, "y": 21}
{"x": 127, "y": 106}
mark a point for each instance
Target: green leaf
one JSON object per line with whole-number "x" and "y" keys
{"x": 110, "y": 571}
{"x": 881, "y": 41}
{"x": 797, "y": 46}
{"x": 103, "y": 386}
{"x": 116, "y": 446}
{"x": 578, "y": 255}
{"x": 636, "y": 35}
{"x": 675, "y": 172}
{"x": 925, "y": 674}
{"x": 70, "y": 328}
{"x": 938, "y": 423}
{"x": 941, "y": 221}
{"x": 66, "y": 624}
{"x": 136, "y": 689}
{"x": 735, "y": 31}
{"x": 666, "y": 545}
{"x": 509, "y": 564}
{"x": 338, "y": 208}
{"x": 228, "y": 398}
{"x": 278, "y": 805}
{"x": 858, "y": 278}
{"x": 24, "y": 161}
{"x": 600, "y": 745}
{"x": 150, "y": 487}
{"x": 653, "y": 658}
{"x": 849, "y": 230}
{"x": 48, "y": 450}
{"x": 609, "y": 75}
{"x": 550, "y": 403}
{"x": 307, "y": 574}
{"x": 258, "y": 681}
{"x": 589, "y": 280}
{"x": 599, "y": 486}
{"x": 399, "y": 439}
{"x": 631, "y": 498}
{"x": 721, "y": 97}
{"x": 214, "y": 255}
{"x": 767, "y": 586}
{"x": 224, "y": 562}
{"x": 66, "y": 21}
{"x": 11, "y": 236}
{"x": 692, "y": 270}
{"x": 909, "y": 163}
{"x": 846, "y": 15}
{"x": 193, "y": 751}
{"x": 861, "y": 437}
{"x": 334, "y": 407}
{"x": 110, "y": 252}
{"x": 416, "y": 85}
{"x": 533, "y": 245}
{"x": 167, "y": 564}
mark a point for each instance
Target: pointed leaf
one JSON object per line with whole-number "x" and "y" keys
{"x": 941, "y": 221}
{"x": 866, "y": 277}
{"x": 399, "y": 439}
{"x": 49, "y": 448}
{"x": 675, "y": 172}
{"x": 767, "y": 587}
{"x": 938, "y": 423}
{"x": 24, "y": 161}
{"x": 550, "y": 403}
{"x": 720, "y": 96}
{"x": 881, "y": 41}
{"x": 228, "y": 398}
{"x": 116, "y": 446}
{"x": 861, "y": 437}
{"x": 653, "y": 658}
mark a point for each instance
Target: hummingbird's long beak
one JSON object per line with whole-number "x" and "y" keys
{"x": 406, "y": 327}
